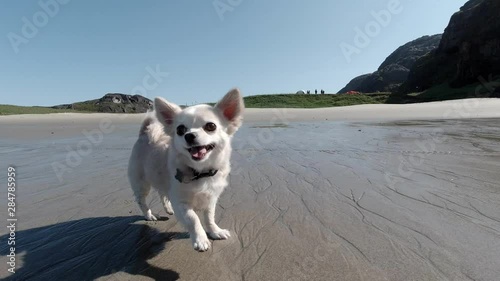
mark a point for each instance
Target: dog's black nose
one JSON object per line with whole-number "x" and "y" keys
{"x": 190, "y": 138}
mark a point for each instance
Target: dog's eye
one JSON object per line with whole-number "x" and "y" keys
{"x": 181, "y": 130}
{"x": 210, "y": 127}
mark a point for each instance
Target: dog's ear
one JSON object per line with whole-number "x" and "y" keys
{"x": 166, "y": 112}
{"x": 231, "y": 107}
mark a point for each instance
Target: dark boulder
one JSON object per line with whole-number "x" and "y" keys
{"x": 112, "y": 103}
{"x": 396, "y": 67}
{"x": 469, "y": 50}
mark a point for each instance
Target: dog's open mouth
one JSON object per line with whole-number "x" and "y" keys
{"x": 199, "y": 152}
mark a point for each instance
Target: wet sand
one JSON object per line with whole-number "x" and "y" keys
{"x": 375, "y": 198}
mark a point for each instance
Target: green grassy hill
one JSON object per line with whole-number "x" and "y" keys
{"x": 6, "y": 109}
{"x": 312, "y": 101}
{"x": 442, "y": 92}
{"x": 260, "y": 101}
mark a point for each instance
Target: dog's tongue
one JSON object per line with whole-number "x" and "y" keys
{"x": 198, "y": 152}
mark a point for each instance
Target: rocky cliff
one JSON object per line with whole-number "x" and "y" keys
{"x": 469, "y": 50}
{"x": 112, "y": 103}
{"x": 396, "y": 67}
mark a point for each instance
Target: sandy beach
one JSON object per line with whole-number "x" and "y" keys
{"x": 369, "y": 192}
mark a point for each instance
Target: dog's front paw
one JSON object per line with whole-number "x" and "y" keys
{"x": 169, "y": 209}
{"x": 150, "y": 217}
{"x": 201, "y": 244}
{"x": 221, "y": 234}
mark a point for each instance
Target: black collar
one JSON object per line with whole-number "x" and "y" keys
{"x": 185, "y": 178}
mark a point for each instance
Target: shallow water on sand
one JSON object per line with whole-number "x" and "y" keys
{"x": 408, "y": 200}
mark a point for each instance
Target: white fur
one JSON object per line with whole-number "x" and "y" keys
{"x": 159, "y": 152}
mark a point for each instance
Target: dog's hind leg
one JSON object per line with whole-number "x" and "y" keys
{"x": 165, "y": 201}
{"x": 141, "y": 191}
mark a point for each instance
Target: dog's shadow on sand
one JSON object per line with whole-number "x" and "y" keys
{"x": 90, "y": 248}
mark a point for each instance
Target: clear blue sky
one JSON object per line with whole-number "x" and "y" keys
{"x": 92, "y": 47}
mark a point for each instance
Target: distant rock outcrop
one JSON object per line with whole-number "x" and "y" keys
{"x": 112, "y": 103}
{"x": 469, "y": 49}
{"x": 396, "y": 67}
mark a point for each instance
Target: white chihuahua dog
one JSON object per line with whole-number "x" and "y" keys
{"x": 184, "y": 154}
